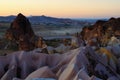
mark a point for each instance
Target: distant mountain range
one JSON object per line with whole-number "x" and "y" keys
{"x": 7, "y": 18}
{"x": 51, "y": 20}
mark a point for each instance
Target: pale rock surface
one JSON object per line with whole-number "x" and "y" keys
{"x": 53, "y": 59}
{"x": 74, "y": 65}
{"x": 16, "y": 79}
{"x": 10, "y": 74}
{"x": 50, "y": 49}
{"x": 62, "y": 48}
{"x": 43, "y": 72}
{"x": 112, "y": 64}
{"x": 101, "y": 70}
{"x": 43, "y": 79}
{"x": 37, "y": 50}
{"x": 113, "y": 41}
{"x": 95, "y": 78}
{"x": 3, "y": 63}
{"x": 71, "y": 65}
{"x": 69, "y": 72}
{"x": 116, "y": 50}
{"x": 82, "y": 75}
{"x": 74, "y": 42}
{"x": 112, "y": 78}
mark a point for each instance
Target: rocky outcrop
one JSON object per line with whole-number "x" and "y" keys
{"x": 21, "y": 33}
{"x": 20, "y": 26}
{"x": 81, "y": 63}
{"x": 102, "y": 31}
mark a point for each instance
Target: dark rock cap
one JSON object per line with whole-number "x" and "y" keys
{"x": 21, "y": 24}
{"x": 20, "y": 27}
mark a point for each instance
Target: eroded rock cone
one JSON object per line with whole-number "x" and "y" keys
{"x": 20, "y": 27}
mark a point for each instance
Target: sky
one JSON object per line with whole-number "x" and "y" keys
{"x": 62, "y": 8}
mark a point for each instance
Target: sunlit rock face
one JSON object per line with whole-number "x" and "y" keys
{"x": 102, "y": 30}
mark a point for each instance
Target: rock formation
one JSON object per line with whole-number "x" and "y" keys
{"x": 20, "y": 26}
{"x": 81, "y": 63}
{"x": 102, "y": 31}
{"x": 86, "y": 62}
{"x": 21, "y": 33}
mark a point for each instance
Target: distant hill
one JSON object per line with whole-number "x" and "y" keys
{"x": 48, "y": 20}
{"x": 90, "y": 20}
{"x": 7, "y": 18}
{"x": 52, "y": 21}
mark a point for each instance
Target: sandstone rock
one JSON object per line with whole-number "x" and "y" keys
{"x": 50, "y": 49}
{"x": 102, "y": 70}
{"x": 44, "y": 72}
{"x": 69, "y": 72}
{"x": 82, "y": 74}
{"x": 20, "y": 32}
{"x": 102, "y": 30}
{"x": 10, "y": 74}
{"x": 116, "y": 50}
{"x": 67, "y": 66}
{"x": 3, "y": 63}
{"x": 112, "y": 78}
{"x": 62, "y": 48}
{"x": 95, "y": 78}
{"x": 20, "y": 26}
{"x": 16, "y": 79}
{"x": 43, "y": 79}
{"x": 74, "y": 65}
{"x": 74, "y": 42}
{"x": 53, "y": 59}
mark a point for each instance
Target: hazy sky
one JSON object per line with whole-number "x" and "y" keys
{"x": 62, "y": 8}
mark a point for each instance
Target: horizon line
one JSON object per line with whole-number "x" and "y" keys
{"x": 65, "y": 17}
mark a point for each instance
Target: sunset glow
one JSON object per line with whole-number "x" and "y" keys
{"x": 62, "y": 8}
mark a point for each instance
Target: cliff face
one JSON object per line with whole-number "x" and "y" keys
{"x": 102, "y": 30}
